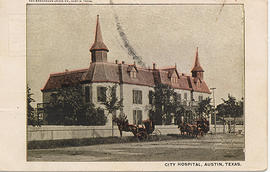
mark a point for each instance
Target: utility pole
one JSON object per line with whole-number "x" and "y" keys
{"x": 213, "y": 90}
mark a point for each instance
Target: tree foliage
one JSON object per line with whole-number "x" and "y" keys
{"x": 31, "y": 118}
{"x": 67, "y": 107}
{"x": 204, "y": 108}
{"x": 94, "y": 116}
{"x": 230, "y": 107}
{"x": 165, "y": 103}
{"x": 112, "y": 103}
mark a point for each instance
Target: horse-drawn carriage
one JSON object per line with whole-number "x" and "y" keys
{"x": 140, "y": 131}
{"x": 195, "y": 128}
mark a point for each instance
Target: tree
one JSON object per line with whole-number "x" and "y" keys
{"x": 230, "y": 108}
{"x": 112, "y": 103}
{"x": 204, "y": 108}
{"x": 31, "y": 118}
{"x": 67, "y": 107}
{"x": 180, "y": 112}
{"x": 165, "y": 103}
{"x": 94, "y": 116}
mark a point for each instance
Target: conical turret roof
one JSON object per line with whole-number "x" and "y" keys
{"x": 98, "y": 44}
{"x": 197, "y": 67}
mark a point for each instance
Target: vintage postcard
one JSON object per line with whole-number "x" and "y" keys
{"x": 135, "y": 86}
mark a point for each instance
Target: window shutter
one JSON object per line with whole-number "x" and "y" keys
{"x": 87, "y": 94}
{"x": 140, "y": 97}
{"x": 90, "y": 94}
{"x": 103, "y": 94}
{"x": 139, "y": 116}
{"x": 133, "y": 95}
{"x": 134, "y": 117}
{"x": 150, "y": 97}
{"x": 98, "y": 94}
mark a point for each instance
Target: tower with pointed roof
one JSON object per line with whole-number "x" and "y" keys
{"x": 98, "y": 50}
{"x": 197, "y": 71}
{"x": 136, "y": 84}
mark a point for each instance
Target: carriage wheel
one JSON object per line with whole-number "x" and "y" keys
{"x": 156, "y": 132}
{"x": 142, "y": 135}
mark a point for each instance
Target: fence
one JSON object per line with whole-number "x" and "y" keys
{"x": 226, "y": 128}
{"x": 49, "y": 132}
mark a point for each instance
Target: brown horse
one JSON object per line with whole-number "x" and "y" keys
{"x": 194, "y": 129}
{"x": 139, "y": 132}
{"x": 123, "y": 125}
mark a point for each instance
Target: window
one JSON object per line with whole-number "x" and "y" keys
{"x": 198, "y": 84}
{"x": 101, "y": 94}
{"x": 87, "y": 94}
{"x": 179, "y": 97}
{"x": 150, "y": 97}
{"x": 174, "y": 79}
{"x": 200, "y": 98}
{"x": 137, "y": 117}
{"x": 191, "y": 96}
{"x": 137, "y": 97}
{"x": 114, "y": 92}
{"x": 133, "y": 74}
{"x": 185, "y": 96}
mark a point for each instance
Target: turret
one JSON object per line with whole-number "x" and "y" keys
{"x": 98, "y": 50}
{"x": 197, "y": 71}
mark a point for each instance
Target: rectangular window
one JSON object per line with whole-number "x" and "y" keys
{"x": 87, "y": 94}
{"x": 185, "y": 96}
{"x": 114, "y": 92}
{"x": 200, "y": 98}
{"x": 150, "y": 97}
{"x": 137, "y": 97}
{"x": 179, "y": 97}
{"x": 101, "y": 94}
{"x": 137, "y": 117}
{"x": 133, "y": 74}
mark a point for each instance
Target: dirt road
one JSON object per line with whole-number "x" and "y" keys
{"x": 207, "y": 148}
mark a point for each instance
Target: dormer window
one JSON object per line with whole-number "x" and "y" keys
{"x": 199, "y": 84}
{"x": 174, "y": 76}
{"x": 133, "y": 74}
{"x": 174, "y": 79}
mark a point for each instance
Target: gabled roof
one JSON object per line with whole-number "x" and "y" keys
{"x": 143, "y": 76}
{"x": 197, "y": 67}
{"x": 98, "y": 43}
{"x": 170, "y": 71}
{"x": 130, "y": 67}
{"x": 199, "y": 85}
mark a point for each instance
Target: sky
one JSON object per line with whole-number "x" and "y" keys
{"x": 59, "y": 38}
